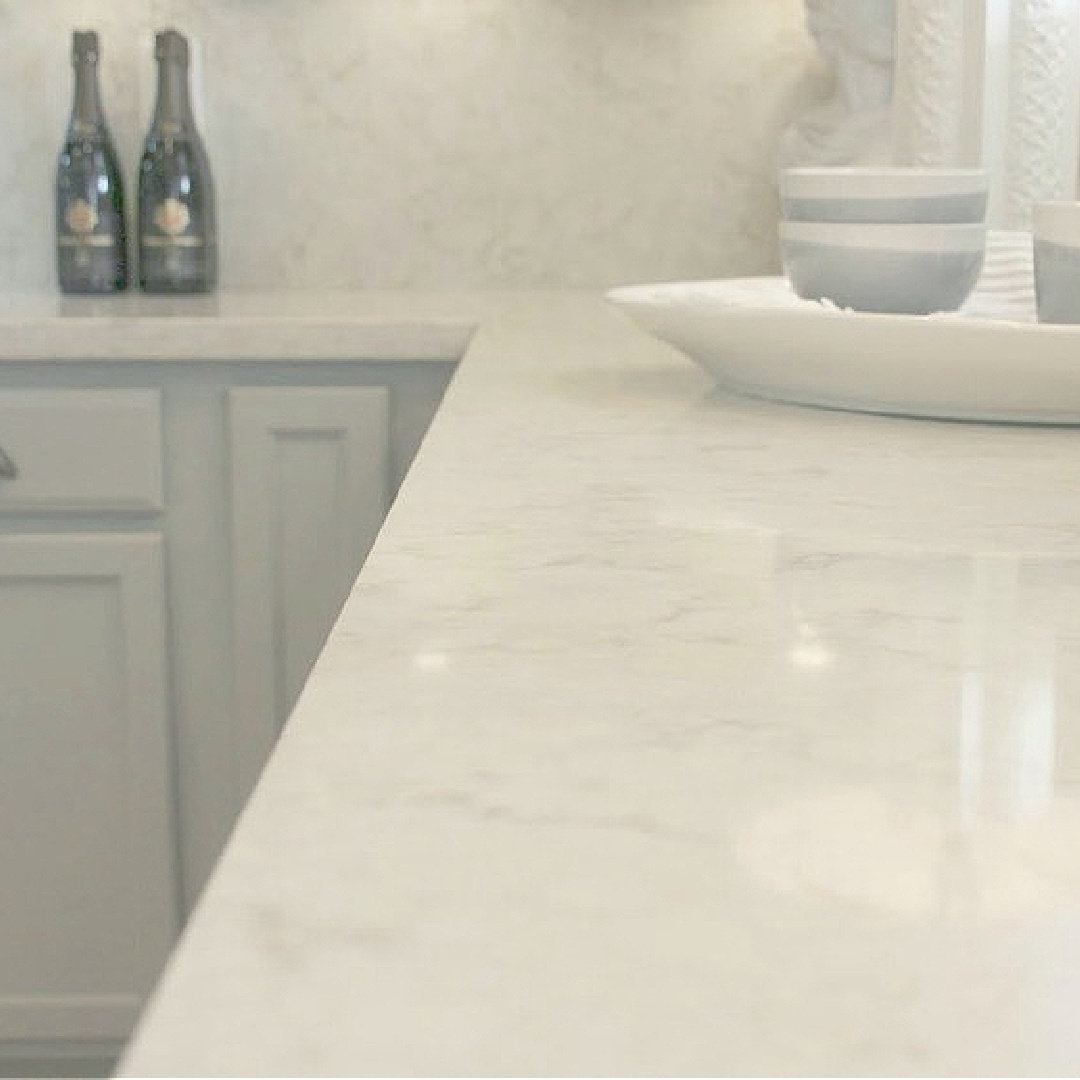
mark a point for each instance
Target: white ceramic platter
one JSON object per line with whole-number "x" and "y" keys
{"x": 988, "y": 362}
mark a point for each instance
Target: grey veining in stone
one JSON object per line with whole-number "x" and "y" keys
{"x": 312, "y": 325}
{"x": 667, "y": 733}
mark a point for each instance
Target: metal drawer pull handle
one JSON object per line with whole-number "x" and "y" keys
{"x": 7, "y": 466}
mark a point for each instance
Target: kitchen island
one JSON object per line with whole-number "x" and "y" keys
{"x": 665, "y": 732}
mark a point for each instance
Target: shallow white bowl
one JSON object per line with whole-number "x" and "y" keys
{"x": 902, "y": 269}
{"x": 755, "y": 336}
{"x": 884, "y": 195}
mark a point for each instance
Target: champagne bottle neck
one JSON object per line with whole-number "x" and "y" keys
{"x": 173, "y": 114}
{"x": 86, "y": 113}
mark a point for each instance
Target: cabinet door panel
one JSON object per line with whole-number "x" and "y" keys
{"x": 87, "y": 849}
{"x": 81, "y": 450}
{"x": 309, "y": 494}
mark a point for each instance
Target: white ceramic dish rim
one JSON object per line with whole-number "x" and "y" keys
{"x": 852, "y": 182}
{"x": 922, "y": 238}
{"x": 757, "y": 338}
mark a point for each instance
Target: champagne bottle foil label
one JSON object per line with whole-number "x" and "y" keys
{"x": 80, "y": 227}
{"x": 172, "y": 220}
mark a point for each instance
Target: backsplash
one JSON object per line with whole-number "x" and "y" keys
{"x": 435, "y": 143}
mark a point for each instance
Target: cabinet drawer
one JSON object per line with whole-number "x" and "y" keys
{"x": 78, "y": 450}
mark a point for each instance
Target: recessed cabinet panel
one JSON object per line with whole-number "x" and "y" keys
{"x": 87, "y": 880}
{"x": 310, "y": 472}
{"x": 153, "y": 639}
{"x": 72, "y": 450}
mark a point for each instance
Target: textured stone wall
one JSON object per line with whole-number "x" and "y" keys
{"x": 437, "y": 143}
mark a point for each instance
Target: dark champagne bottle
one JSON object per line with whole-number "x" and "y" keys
{"x": 91, "y": 240}
{"x": 177, "y": 236}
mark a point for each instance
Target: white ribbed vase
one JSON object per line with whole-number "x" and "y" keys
{"x": 1044, "y": 106}
{"x": 928, "y": 99}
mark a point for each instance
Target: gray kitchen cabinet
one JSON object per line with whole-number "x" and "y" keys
{"x": 89, "y": 901}
{"x": 81, "y": 451}
{"x": 176, "y": 540}
{"x": 310, "y": 471}
{"x": 88, "y": 892}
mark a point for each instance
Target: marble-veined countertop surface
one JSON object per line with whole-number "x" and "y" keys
{"x": 312, "y": 325}
{"x": 666, "y": 732}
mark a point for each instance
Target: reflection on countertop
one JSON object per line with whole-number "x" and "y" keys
{"x": 668, "y": 732}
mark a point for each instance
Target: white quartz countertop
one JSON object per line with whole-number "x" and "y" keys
{"x": 666, "y": 732}
{"x": 316, "y": 325}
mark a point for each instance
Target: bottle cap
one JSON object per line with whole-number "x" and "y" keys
{"x": 171, "y": 45}
{"x": 84, "y": 46}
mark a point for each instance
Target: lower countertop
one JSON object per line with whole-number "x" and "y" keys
{"x": 665, "y": 732}
{"x": 321, "y": 325}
